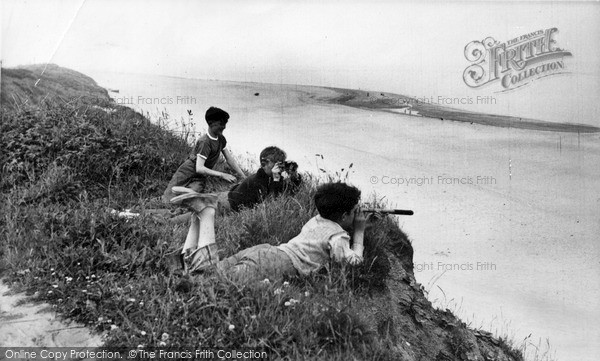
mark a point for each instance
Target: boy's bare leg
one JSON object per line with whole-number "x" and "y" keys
{"x": 191, "y": 240}
{"x": 206, "y": 234}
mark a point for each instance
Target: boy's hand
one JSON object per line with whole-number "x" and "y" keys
{"x": 360, "y": 220}
{"x": 228, "y": 177}
{"x": 276, "y": 171}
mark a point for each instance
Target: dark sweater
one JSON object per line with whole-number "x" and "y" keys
{"x": 256, "y": 188}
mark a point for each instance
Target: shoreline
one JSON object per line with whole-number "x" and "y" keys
{"x": 400, "y": 104}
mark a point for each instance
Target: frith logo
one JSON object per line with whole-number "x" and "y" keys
{"x": 516, "y": 62}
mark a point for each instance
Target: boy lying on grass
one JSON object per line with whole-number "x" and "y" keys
{"x": 323, "y": 238}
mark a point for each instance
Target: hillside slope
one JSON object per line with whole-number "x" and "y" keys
{"x": 36, "y": 84}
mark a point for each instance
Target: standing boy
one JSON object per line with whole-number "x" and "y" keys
{"x": 199, "y": 164}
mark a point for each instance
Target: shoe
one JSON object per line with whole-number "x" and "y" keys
{"x": 184, "y": 285}
{"x": 201, "y": 201}
{"x": 174, "y": 261}
{"x": 194, "y": 200}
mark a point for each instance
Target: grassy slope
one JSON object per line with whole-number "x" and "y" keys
{"x": 64, "y": 166}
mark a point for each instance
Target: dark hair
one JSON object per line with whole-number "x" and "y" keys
{"x": 335, "y": 199}
{"x": 272, "y": 153}
{"x": 216, "y": 115}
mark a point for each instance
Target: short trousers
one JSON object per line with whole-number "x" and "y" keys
{"x": 257, "y": 263}
{"x": 251, "y": 264}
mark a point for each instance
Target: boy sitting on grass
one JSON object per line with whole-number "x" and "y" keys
{"x": 323, "y": 238}
{"x": 198, "y": 166}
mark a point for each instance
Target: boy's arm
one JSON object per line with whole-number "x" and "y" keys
{"x": 201, "y": 169}
{"x": 341, "y": 251}
{"x": 233, "y": 164}
{"x": 360, "y": 222}
{"x": 275, "y": 186}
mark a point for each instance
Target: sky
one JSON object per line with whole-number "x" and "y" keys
{"x": 411, "y": 48}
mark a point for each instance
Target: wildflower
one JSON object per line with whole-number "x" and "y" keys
{"x": 49, "y": 292}
{"x": 162, "y": 344}
{"x": 69, "y": 279}
{"x": 100, "y": 319}
{"x": 164, "y": 337}
{"x": 51, "y": 269}
{"x": 141, "y": 303}
{"x": 55, "y": 286}
{"x": 143, "y": 333}
{"x": 278, "y": 291}
{"x": 266, "y": 281}
{"x": 306, "y": 294}
{"x": 113, "y": 327}
{"x": 131, "y": 300}
{"x": 140, "y": 346}
{"x": 231, "y": 327}
{"x": 286, "y": 283}
{"x": 253, "y": 317}
{"x": 291, "y": 302}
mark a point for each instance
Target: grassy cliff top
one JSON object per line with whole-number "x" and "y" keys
{"x": 36, "y": 84}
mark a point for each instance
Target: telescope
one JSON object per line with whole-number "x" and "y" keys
{"x": 402, "y": 212}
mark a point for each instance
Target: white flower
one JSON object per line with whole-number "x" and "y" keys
{"x": 266, "y": 280}
{"x": 69, "y": 279}
{"x": 162, "y": 343}
{"x": 55, "y": 286}
{"x": 113, "y": 327}
{"x": 131, "y": 300}
{"x": 253, "y": 317}
{"x": 286, "y": 283}
{"x": 143, "y": 333}
{"x": 278, "y": 291}
{"x": 306, "y": 294}
{"x": 231, "y": 327}
{"x": 164, "y": 337}
{"x": 291, "y": 302}
{"x": 140, "y": 346}
{"x": 49, "y": 292}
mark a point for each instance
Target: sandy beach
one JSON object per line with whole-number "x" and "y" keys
{"x": 506, "y": 220}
